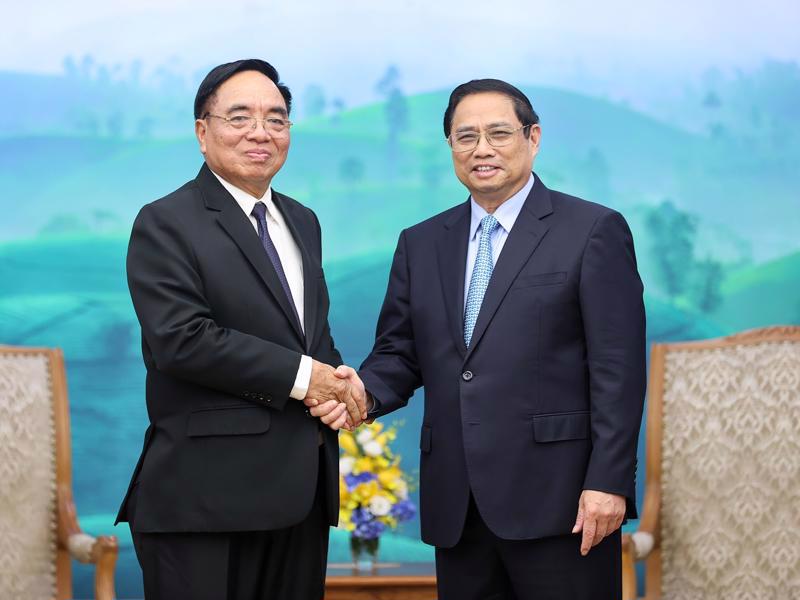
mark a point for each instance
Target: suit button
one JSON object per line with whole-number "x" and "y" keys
{"x": 268, "y": 399}
{"x": 308, "y": 412}
{"x": 466, "y": 375}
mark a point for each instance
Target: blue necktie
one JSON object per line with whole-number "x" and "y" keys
{"x": 260, "y": 213}
{"x": 481, "y": 273}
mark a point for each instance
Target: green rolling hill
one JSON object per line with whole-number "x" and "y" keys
{"x": 767, "y": 294}
{"x": 344, "y": 169}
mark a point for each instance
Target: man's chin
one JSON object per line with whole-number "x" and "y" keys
{"x": 484, "y": 186}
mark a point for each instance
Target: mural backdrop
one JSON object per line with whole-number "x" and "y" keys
{"x": 686, "y": 118}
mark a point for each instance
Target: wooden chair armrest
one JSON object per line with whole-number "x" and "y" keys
{"x": 651, "y": 511}
{"x": 100, "y": 551}
{"x": 104, "y": 555}
{"x": 645, "y": 539}
{"x": 638, "y": 545}
{"x": 629, "y": 583}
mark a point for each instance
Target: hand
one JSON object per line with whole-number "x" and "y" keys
{"x": 349, "y": 374}
{"x": 599, "y": 514}
{"x": 325, "y": 386}
{"x": 333, "y": 414}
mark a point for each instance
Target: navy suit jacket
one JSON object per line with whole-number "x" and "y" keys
{"x": 547, "y": 400}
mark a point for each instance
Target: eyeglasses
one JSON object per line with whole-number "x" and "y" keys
{"x": 464, "y": 141}
{"x": 274, "y": 125}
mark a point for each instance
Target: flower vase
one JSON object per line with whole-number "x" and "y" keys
{"x": 365, "y": 553}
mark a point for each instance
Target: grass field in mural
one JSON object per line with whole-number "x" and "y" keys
{"x": 715, "y": 216}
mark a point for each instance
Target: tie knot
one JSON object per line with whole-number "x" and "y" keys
{"x": 260, "y": 210}
{"x": 488, "y": 225}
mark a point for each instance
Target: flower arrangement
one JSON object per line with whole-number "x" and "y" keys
{"x": 373, "y": 490}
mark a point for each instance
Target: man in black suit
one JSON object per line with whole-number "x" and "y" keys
{"x": 520, "y": 311}
{"x": 237, "y": 483}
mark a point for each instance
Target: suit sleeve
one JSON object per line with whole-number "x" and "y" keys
{"x": 177, "y": 323}
{"x": 328, "y": 353}
{"x": 391, "y": 372}
{"x": 614, "y": 323}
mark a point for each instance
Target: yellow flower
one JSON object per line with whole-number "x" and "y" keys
{"x": 363, "y": 465}
{"x": 348, "y": 443}
{"x": 345, "y": 519}
{"x": 390, "y": 521}
{"x": 388, "y": 476}
{"x": 380, "y": 463}
{"x": 365, "y": 491}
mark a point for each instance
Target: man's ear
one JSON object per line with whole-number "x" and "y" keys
{"x": 201, "y": 131}
{"x": 534, "y": 137}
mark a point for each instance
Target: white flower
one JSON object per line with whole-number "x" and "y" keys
{"x": 373, "y": 448}
{"x": 401, "y": 490}
{"x": 346, "y": 465}
{"x": 379, "y": 505}
{"x": 364, "y": 436}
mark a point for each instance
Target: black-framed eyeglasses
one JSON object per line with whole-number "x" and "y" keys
{"x": 274, "y": 125}
{"x": 464, "y": 141}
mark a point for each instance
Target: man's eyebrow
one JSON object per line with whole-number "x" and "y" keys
{"x": 245, "y": 107}
{"x": 237, "y": 108}
{"x": 466, "y": 128}
{"x": 278, "y": 110}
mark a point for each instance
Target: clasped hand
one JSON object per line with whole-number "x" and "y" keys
{"x": 336, "y": 396}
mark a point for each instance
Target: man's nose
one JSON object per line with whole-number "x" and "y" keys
{"x": 260, "y": 131}
{"x": 484, "y": 148}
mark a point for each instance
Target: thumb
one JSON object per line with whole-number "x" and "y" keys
{"x": 578, "y": 520}
{"x": 343, "y": 371}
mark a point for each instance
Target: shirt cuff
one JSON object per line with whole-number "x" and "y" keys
{"x": 303, "y": 379}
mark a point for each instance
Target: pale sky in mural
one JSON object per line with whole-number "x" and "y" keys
{"x": 345, "y": 46}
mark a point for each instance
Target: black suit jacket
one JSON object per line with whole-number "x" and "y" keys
{"x": 547, "y": 401}
{"x": 226, "y": 449}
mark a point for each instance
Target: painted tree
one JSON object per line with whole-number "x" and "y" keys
{"x": 707, "y": 281}
{"x": 314, "y": 102}
{"x": 396, "y": 111}
{"x": 671, "y": 234}
{"x": 351, "y": 170}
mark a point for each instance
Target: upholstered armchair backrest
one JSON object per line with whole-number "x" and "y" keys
{"x": 730, "y": 469}
{"x": 28, "y": 524}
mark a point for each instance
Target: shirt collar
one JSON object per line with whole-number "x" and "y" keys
{"x": 506, "y": 214}
{"x": 245, "y": 200}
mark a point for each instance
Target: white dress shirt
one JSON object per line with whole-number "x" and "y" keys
{"x": 506, "y": 214}
{"x": 291, "y": 261}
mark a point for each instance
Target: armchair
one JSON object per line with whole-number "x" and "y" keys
{"x": 39, "y": 531}
{"x": 721, "y": 514}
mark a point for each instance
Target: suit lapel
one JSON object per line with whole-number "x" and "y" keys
{"x": 452, "y": 253}
{"x": 525, "y": 236}
{"x": 240, "y": 229}
{"x": 311, "y": 268}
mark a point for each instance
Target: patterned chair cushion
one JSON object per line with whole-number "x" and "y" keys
{"x": 730, "y": 514}
{"x": 27, "y": 478}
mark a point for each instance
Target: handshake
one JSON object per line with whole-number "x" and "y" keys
{"x": 336, "y": 396}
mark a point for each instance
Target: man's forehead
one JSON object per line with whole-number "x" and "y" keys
{"x": 485, "y": 106}
{"x": 248, "y": 83}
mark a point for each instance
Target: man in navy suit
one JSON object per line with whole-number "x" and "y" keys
{"x": 520, "y": 312}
